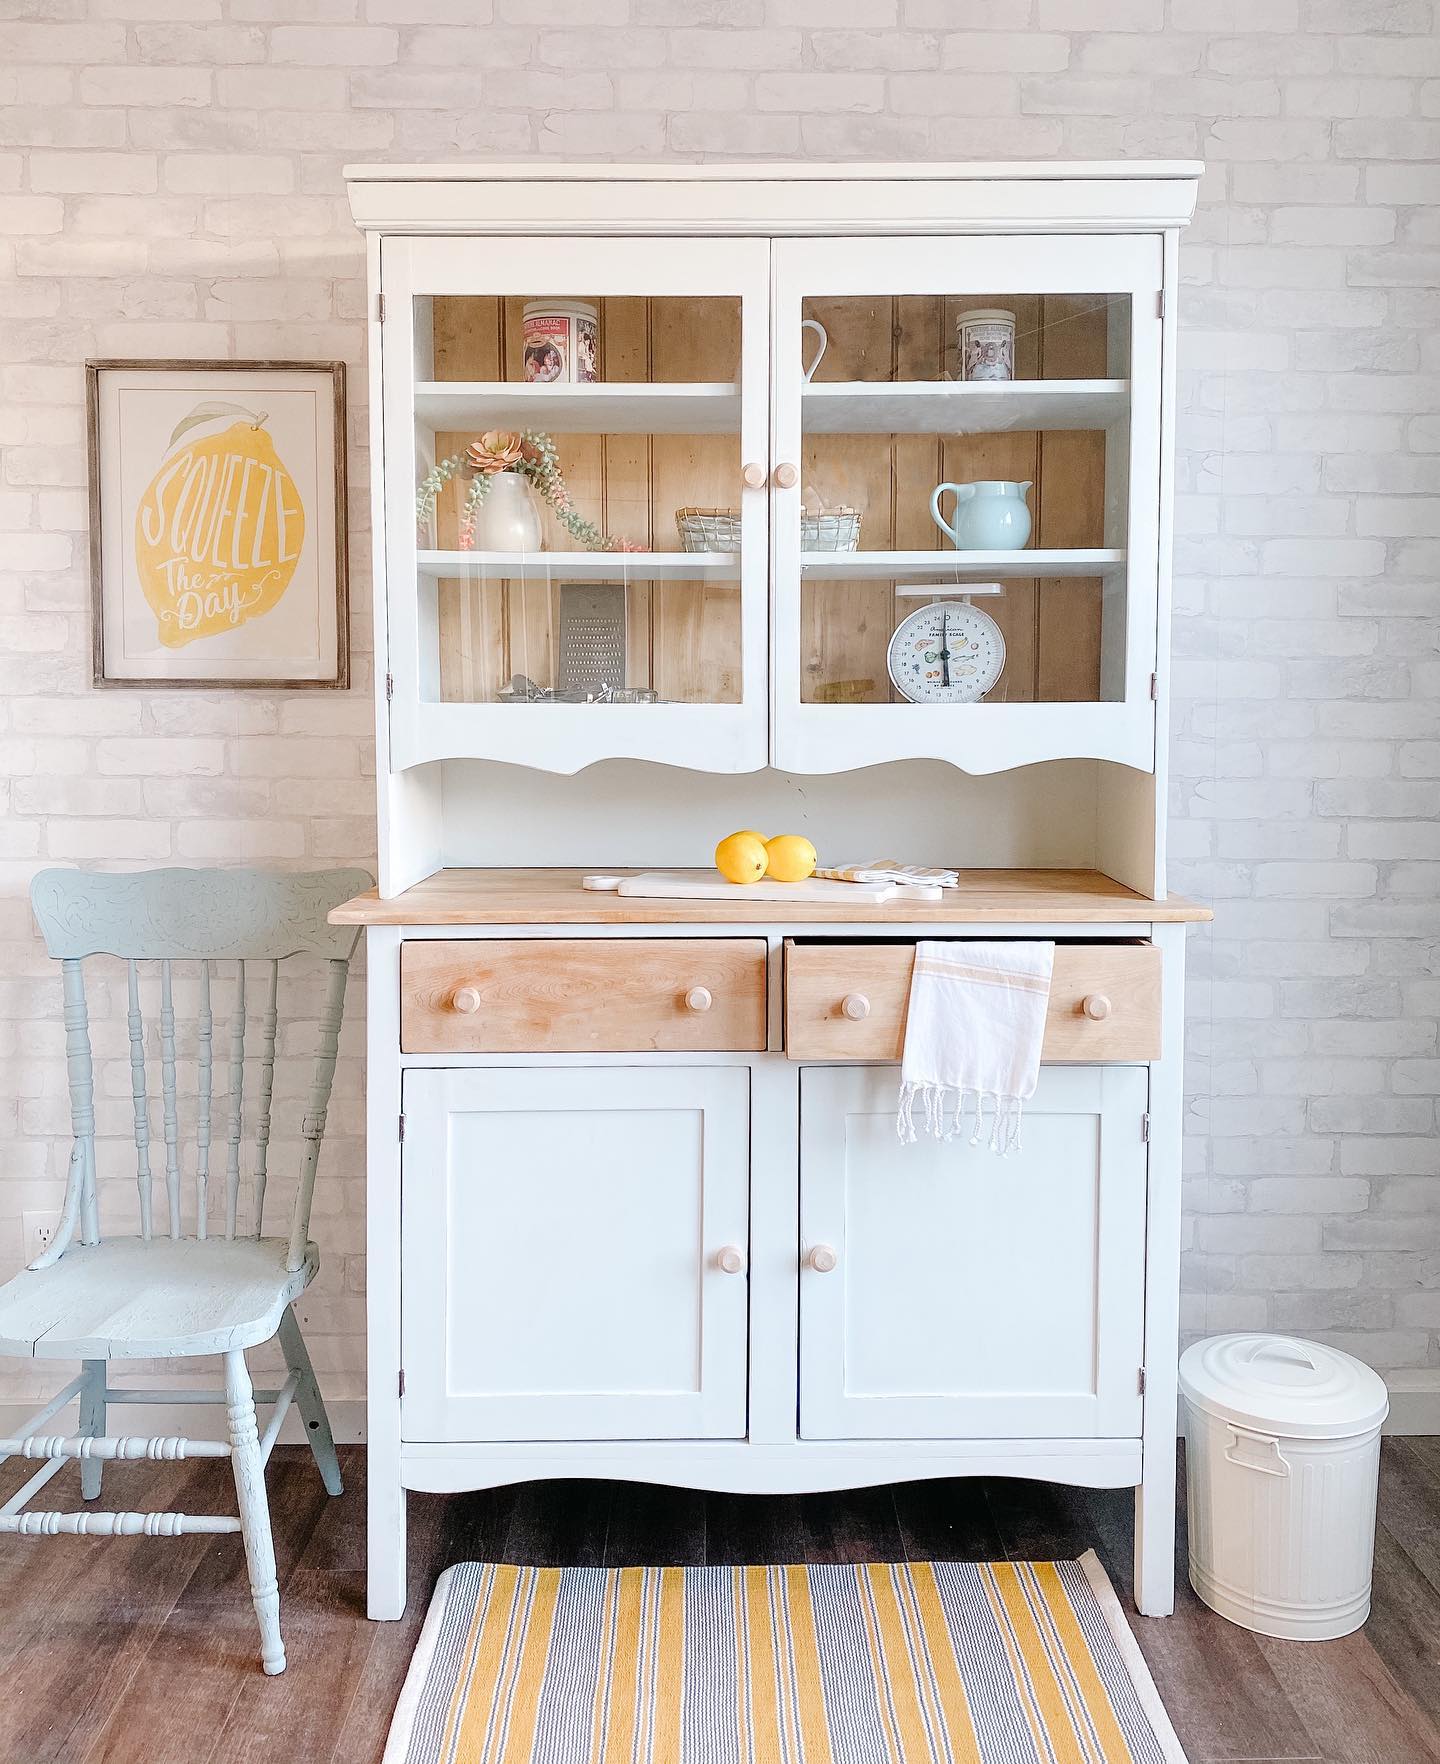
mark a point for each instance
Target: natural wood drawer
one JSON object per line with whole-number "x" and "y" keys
{"x": 1104, "y": 1001}
{"x": 583, "y": 995}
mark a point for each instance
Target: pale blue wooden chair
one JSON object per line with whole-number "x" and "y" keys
{"x": 161, "y": 1294}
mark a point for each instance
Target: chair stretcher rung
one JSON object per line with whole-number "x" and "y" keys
{"x": 161, "y": 1396}
{"x": 109, "y": 1524}
{"x": 164, "y": 1449}
{"x": 31, "y": 1487}
{"x": 41, "y": 1416}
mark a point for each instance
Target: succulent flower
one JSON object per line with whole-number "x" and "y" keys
{"x": 497, "y": 450}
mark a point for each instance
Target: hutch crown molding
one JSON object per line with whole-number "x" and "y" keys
{"x": 637, "y": 1207}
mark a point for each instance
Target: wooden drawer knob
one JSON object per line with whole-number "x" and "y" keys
{"x": 1096, "y": 1006}
{"x": 698, "y": 999}
{"x": 754, "y": 476}
{"x": 822, "y": 1259}
{"x": 466, "y": 999}
{"x": 786, "y": 476}
{"x": 855, "y": 1006}
{"x": 731, "y": 1259}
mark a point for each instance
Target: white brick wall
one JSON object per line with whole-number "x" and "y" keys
{"x": 170, "y": 186}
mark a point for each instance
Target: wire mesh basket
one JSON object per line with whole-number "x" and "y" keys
{"x": 718, "y": 529}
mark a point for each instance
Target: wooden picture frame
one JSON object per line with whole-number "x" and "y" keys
{"x": 197, "y": 541}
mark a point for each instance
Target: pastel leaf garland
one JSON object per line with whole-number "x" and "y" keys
{"x": 533, "y": 455}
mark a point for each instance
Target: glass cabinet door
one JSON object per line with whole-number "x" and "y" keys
{"x": 966, "y": 501}
{"x": 576, "y": 437}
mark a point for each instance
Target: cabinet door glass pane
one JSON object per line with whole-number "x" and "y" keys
{"x": 964, "y": 482}
{"x": 606, "y": 570}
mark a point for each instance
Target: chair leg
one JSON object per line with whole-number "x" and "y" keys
{"x": 92, "y": 1424}
{"x": 310, "y": 1403}
{"x": 254, "y": 1507}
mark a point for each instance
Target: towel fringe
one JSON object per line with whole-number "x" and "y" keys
{"x": 936, "y": 1100}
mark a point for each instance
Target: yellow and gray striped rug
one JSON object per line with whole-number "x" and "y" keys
{"x": 925, "y": 1663}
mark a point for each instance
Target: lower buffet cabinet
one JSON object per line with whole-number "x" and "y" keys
{"x": 576, "y": 1239}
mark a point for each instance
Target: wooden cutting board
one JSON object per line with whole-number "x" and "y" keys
{"x": 663, "y": 885}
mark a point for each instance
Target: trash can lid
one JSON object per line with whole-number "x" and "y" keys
{"x": 1277, "y": 1384}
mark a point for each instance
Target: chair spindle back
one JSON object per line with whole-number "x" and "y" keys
{"x": 211, "y": 916}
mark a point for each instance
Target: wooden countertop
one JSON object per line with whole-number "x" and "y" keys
{"x": 555, "y": 897}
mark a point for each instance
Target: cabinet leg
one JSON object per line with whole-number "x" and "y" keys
{"x": 1155, "y": 1531}
{"x": 385, "y": 1542}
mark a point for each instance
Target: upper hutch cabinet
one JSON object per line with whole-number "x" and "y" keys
{"x": 742, "y": 563}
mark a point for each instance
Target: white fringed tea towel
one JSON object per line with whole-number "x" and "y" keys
{"x": 974, "y": 1030}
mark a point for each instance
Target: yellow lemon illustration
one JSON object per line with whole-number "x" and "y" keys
{"x": 741, "y": 857}
{"x": 791, "y": 857}
{"x": 219, "y": 529}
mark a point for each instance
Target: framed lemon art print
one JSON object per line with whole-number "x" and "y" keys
{"x": 217, "y": 523}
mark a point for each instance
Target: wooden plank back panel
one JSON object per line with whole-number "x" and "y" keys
{"x": 583, "y": 995}
{"x": 820, "y": 976}
{"x": 682, "y": 639}
{"x": 1051, "y": 630}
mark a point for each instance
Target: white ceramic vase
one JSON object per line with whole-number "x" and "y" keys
{"x": 509, "y": 517}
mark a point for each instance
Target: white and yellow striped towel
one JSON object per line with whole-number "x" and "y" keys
{"x": 973, "y": 1035}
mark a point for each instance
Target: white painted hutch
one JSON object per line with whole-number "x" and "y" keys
{"x": 637, "y": 1207}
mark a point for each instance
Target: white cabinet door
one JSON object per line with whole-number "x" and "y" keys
{"x": 563, "y": 1232}
{"x": 486, "y": 612}
{"x": 972, "y": 1296}
{"x": 1046, "y": 461}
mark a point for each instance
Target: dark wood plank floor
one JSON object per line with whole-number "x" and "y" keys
{"x": 146, "y": 1649}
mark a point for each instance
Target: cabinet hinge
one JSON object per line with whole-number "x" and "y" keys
{"x": 1154, "y": 686}
{"x": 380, "y": 308}
{"x": 1144, "y": 1128}
{"x": 1159, "y": 303}
{"x": 401, "y": 1382}
{"x": 401, "y": 1133}
{"x": 390, "y": 687}
{"x": 1139, "y": 1380}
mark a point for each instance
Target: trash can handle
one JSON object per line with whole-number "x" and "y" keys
{"x": 1256, "y": 1451}
{"x": 1273, "y": 1347}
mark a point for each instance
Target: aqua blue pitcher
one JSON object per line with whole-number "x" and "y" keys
{"x": 990, "y": 515}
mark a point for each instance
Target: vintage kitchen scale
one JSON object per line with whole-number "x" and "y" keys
{"x": 948, "y": 652}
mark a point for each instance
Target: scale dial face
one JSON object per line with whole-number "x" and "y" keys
{"x": 952, "y": 638}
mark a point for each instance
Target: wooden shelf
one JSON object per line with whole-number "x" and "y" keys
{"x": 555, "y": 897}
{"x": 948, "y": 566}
{"x": 573, "y": 566}
{"x": 945, "y": 407}
{"x": 661, "y": 409}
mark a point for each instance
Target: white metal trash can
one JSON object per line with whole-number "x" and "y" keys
{"x": 1282, "y": 1453}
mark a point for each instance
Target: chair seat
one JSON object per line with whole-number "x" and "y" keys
{"x": 124, "y": 1298}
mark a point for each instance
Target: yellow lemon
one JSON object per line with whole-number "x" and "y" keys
{"x": 218, "y": 532}
{"x": 749, "y": 833}
{"x": 741, "y": 857}
{"x": 791, "y": 857}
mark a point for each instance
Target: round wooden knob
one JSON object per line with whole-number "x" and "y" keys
{"x": 754, "y": 476}
{"x": 466, "y": 999}
{"x": 855, "y": 1006}
{"x": 698, "y": 999}
{"x": 823, "y": 1259}
{"x": 786, "y": 476}
{"x": 731, "y": 1259}
{"x": 1096, "y": 1006}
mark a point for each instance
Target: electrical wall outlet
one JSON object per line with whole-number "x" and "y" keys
{"x": 38, "y": 1231}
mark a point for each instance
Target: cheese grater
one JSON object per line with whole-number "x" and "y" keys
{"x": 592, "y": 636}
